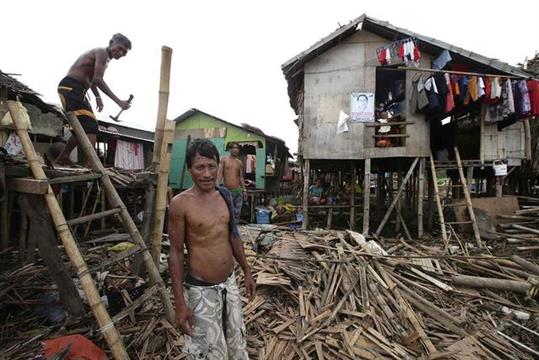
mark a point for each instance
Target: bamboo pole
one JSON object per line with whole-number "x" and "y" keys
{"x": 161, "y": 191}
{"x": 164, "y": 85}
{"x": 116, "y": 202}
{"x": 396, "y": 198}
{"x": 478, "y": 282}
{"x": 438, "y": 202}
{"x": 94, "y": 299}
{"x": 525, "y": 264}
{"x": 468, "y": 199}
{"x": 366, "y": 195}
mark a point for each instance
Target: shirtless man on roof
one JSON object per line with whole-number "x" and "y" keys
{"x": 87, "y": 73}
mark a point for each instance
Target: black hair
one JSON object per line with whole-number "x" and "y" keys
{"x": 362, "y": 95}
{"x": 202, "y": 147}
{"x": 233, "y": 143}
{"x": 120, "y": 38}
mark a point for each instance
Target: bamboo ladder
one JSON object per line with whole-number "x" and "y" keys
{"x": 105, "y": 322}
{"x": 467, "y": 201}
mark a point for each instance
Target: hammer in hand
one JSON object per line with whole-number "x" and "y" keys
{"x": 116, "y": 118}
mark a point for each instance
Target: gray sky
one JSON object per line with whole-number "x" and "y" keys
{"x": 227, "y": 54}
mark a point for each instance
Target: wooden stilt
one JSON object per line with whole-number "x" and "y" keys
{"x": 420, "y": 195}
{"x": 94, "y": 299}
{"x": 366, "y": 195}
{"x": 353, "y": 196}
{"x": 438, "y": 202}
{"x": 306, "y": 179}
{"x": 329, "y": 219}
{"x": 468, "y": 199}
{"x": 399, "y": 203}
{"x": 394, "y": 202}
{"x": 430, "y": 203}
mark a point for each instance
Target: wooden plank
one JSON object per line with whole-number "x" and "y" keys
{"x": 92, "y": 217}
{"x": 74, "y": 178}
{"x": 27, "y": 186}
{"x": 420, "y": 196}
{"x": 306, "y": 179}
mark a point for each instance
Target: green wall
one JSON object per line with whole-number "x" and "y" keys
{"x": 203, "y": 121}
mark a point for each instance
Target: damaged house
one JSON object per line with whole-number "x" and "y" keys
{"x": 374, "y": 101}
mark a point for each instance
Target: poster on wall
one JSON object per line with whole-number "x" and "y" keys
{"x": 361, "y": 107}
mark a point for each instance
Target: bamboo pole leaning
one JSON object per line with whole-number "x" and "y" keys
{"x": 106, "y": 325}
{"x": 116, "y": 202}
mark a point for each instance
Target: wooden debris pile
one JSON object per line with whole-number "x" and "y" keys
{"x": 521, "y": 230}
{"x": 331, "y": 295}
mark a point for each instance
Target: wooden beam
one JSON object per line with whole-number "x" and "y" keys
{"x": 306, "y": 176}
{"x": 353, "y": 196}
{"x": 396, "y": 198}
{"x": 28, "y": 186}
{"x": 366, "y": 196}
{"x": 420, "y": 196}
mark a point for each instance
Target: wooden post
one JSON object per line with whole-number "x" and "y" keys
{"x": 103, "y": 208}
{"x": 399, "y": 202}
{"x": 353, "y": 196}
{"x": 43, "y": 234}
{"x": 469, "y": 178}
{"x": 161, "y": 191}
{"x": 366, "y": 195}
{"x": 420, "y": 195}
{"x": 329, "y": 218}
{"x": 468, "y": 200}
{"x": 306, "y": 176}
{"x": 438, "y": 202}
{"x": 146, "y": 228}
{"x": 164, "y": 86}
{"x": 430, "y": 203}
{"x": 94, "y": 299}
{"x": 394, "y": 202}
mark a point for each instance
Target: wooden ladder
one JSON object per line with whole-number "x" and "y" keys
{"x": 63, "y": 229}
{"x": 467, "y": 201}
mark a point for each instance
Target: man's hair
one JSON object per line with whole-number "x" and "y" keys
{"x": 202, "y": 147}
{"x": 362, "y": 96}
{"x": 120, "y": 38}
{"x": 233, "y": 144}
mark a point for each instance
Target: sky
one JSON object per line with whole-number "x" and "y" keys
{"x": 227, "y": 55}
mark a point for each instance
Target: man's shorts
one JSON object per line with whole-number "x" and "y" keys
{"x": 73, "y": 97}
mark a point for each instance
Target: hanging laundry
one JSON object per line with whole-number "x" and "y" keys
{"x": 487, "y": 90}
{"x": 455, "y": 83}
{"x": 441, "y": 61}
{"x": 472, "y": 90}
{"x": 510, "y": 97}
{"x": 430, "y": 84}
{"x": 422, "y": 99}
{"x": 388, "y": 56}
{"x": 533, "y": 91}
{"x": 432, "y": 94}
{"x": 495, "y": 88}
{"x": 413, "y": 97}
{"x": 480, "y": 87}
{"x": 523, "y": 106}
{"x": 450, "y": 100}
{"x": 463, "y": 85}
{"x": 486, "y": 115}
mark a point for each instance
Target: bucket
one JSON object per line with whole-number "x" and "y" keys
{"x": 500, "y": 168}
{"x": 263, "y": 216}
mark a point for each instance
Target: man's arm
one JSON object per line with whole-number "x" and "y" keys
{"x": 101, "y": 61}
{"x": 176, "y": 232}
{"x": 98, "y": 100}
{"x": 242, "y": 179}
{"x": 220, "y": 172}
{"x": 239, "y": 255}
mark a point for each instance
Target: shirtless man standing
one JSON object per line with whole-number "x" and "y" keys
{"x": 208, "y": 305}
{"x": 87, "y": 73}
{"x": 231, "y": 170}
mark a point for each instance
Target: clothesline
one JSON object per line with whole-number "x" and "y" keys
{"x": 407, "y": 68}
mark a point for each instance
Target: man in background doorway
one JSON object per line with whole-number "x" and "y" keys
{"x": 231, "y": 172}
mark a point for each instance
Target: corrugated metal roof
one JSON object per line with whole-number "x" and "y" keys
{"x": 387, "y": 30}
